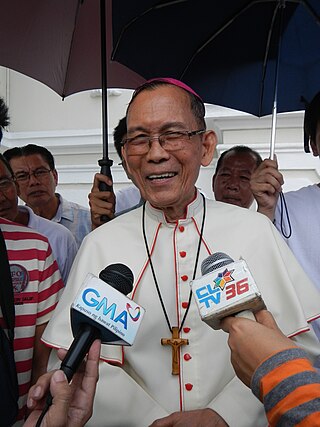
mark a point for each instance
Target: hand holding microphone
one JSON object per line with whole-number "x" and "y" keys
{"x": 97, "y": 301}
{"x": 266, "y": 339}
{"x": 225, "y": 288}
{"x": 101, "y": 310}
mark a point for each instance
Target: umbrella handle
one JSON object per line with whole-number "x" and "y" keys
{"x": 105, "y": 170}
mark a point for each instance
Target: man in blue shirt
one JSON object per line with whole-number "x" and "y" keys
{"x": 34, "y": 171}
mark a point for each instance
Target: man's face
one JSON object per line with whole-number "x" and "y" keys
{"x": 35, "y": 192}
{"x": 8, "y": 196}
{"x": 231, "y": 184}
{"x": 315, "y": 145}
{"x": 166, "y": 179}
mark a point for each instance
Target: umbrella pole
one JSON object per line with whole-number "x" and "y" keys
{"x": 273, "y": 128}
{"x": 283, "y": 204}
{"x": 105, "y": 163}
{"x": 275, "y": 96}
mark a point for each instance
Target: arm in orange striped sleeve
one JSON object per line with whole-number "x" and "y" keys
{"x": 278, "y": 372}
{"x": 289, "y": 388}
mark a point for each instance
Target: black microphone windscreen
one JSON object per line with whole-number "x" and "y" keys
{"x": 215, "y": 261}
{"x": 119, "y": 276}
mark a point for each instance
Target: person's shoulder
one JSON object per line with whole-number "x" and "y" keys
{"x": 228, "y": 208}
{"x": 232, "y": 215}
{"x": 127, "y": 198}
{"x": 303, "y": 192}
{"x": 125, "y": 223}
{"x": 67, "y": 203}
{"x": 52, "y": 228}
{"x": 296, "y": 200}
{"x": 17, "y": 232}
{"x": 130, "y": 190}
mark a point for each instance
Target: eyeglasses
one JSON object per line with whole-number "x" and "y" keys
{"x": 38, "y": 173}
{"x": 6, "y": 183}
{"x": 169, "y": 141}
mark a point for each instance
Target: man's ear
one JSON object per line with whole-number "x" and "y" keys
{"x": 125, "y": 162}
{"x": 209, "y": 143}
{"x": 213, "y": 180}
{"x": 55, "y": 176}
{"x": 314, "y": 149}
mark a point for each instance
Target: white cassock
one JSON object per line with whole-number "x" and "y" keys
{"x": 141, "y": 388}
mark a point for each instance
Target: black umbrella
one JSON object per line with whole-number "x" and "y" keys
{"x": 258, "y": 56}
{"x": 66, "y": 45}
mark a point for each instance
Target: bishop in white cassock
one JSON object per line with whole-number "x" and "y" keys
{"x": 136, "y": 384}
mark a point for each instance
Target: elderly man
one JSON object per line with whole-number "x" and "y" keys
{"x": 164, "y": 243}
{"x": 231, "y": 180}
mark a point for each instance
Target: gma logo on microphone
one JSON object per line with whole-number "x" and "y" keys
{"x": 108, "y": 307}
{"x": 92, "y": 298}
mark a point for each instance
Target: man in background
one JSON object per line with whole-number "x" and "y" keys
{"x": 34, "y": 170}
{"x": 62, "y": 242}
{"x": 231, "y": 180}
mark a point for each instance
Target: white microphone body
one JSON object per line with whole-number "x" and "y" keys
{"x": 101, "y": 311}
{"x": 225, "y": 291}
{"x": 117, "y": 317}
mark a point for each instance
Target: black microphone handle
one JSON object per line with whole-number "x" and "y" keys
{"x": 79, "y": 348}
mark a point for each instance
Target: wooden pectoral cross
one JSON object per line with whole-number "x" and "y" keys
{"x": 175, "y": 343}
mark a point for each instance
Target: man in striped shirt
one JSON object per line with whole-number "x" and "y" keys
{"x": 37, "y": 286}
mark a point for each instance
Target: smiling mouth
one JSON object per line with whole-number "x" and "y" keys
{"x": 36, "y": 193}
{"x": 162, "y": 176}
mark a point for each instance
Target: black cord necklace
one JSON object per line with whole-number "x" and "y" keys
{"x": 152, "y": 268}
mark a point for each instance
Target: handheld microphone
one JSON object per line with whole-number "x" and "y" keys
{"x": 101, "y": 310}
{"x": 226, "y": 288}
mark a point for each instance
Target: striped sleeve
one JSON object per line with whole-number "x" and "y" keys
{"x": 50, "y": 288}
{"x": 33, "y": 251}
{"x": 289, "y": 388}
{"x": 37, "y": 286}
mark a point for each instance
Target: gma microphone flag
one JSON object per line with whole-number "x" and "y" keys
{"x": 117, "y": 316}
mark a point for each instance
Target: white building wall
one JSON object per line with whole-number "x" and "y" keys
{"x": 71, "y": 130}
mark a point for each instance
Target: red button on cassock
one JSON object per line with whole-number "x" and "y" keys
{"x": 189, "y": 386}
{"x": 185, "y": 304}
{"x": 187, "y": 357}
{"x": 181, "y": 228}
{"x": 186, "y": 330}
{"x": 182, "y": 254}
{"x": 184, "y": 278}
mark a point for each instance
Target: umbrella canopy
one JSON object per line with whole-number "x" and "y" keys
{"x": 66, "y": 45}
{"x": 58, "y": 42}
{"x": 227, "y": 51}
